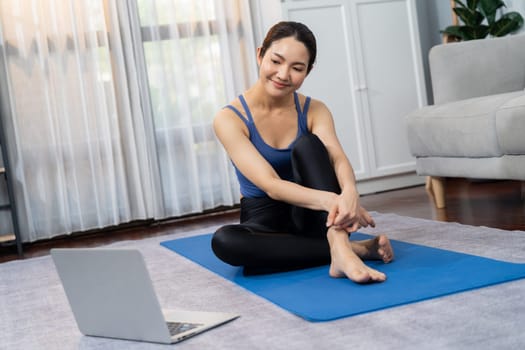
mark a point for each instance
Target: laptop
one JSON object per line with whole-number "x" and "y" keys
{"x": 111, "y": 295}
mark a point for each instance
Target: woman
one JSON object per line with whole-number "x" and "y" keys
{"x": 299, "y": 200}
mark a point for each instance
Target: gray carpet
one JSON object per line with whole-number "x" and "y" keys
{"x": 34, "y": 313}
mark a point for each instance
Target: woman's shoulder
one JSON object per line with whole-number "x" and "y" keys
{"x": 231, "y": 109}
{"x": 317, "y": 109}
{"x": 230, "y": 118}
{"x": 315, "y": 104}
{"x": 318, "y": 112}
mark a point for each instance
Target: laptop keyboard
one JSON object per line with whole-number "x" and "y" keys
{"x": 179, "y": 327}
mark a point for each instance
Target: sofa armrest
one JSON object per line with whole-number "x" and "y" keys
{"x": 477, "y": 68}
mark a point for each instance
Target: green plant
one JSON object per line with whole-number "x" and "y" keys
{"x": 478, "y": 19}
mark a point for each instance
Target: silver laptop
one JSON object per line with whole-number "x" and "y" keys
{"x": 111, "y": 295}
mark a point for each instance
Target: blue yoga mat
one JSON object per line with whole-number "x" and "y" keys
{"x": 417, "y": 273}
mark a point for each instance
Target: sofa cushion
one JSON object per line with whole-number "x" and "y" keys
{"x": 510, "y": 126}
{"x": 466, "y": 128}
{"x": 508, "y": 167}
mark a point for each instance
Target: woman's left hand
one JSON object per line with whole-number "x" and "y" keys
{"x": 347, "y": 214}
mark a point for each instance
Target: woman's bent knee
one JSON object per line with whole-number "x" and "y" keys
{"x": 225, "y": 244}
{"x": 312, "y": 166}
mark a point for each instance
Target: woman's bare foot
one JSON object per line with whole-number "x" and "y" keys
{"x": 377, "y": 248}
{"x": 345, "y": 262}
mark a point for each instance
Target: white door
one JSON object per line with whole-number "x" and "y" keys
{"x": 387, "y": 39}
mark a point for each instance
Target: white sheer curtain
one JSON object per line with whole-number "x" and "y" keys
{"x": 197, "y": 59}
{"x": 110, "y": 106}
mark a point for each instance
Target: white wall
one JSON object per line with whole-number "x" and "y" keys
{"x": 433, "y": 16}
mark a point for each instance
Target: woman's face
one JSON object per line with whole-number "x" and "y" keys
{"x": 283, "y": 68}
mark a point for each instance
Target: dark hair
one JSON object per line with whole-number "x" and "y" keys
{"x": 297, "y": 30}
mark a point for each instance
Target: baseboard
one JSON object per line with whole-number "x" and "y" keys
{"x": 387, "y": 183}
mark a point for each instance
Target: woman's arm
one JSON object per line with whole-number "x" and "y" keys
{"x": 345, "y": 212}
{"x": 234, "y": 136}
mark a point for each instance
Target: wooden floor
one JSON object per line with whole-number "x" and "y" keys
{"x": 497, "y": 204}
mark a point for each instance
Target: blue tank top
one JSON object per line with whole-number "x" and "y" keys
{"x": 279, "y": 158}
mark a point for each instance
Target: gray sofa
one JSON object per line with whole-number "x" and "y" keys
{"x": 476, "y": 127}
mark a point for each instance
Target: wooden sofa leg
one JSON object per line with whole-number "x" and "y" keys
{"x": 436, "y": 187}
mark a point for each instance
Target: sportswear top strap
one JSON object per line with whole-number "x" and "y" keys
{"x": 233, "y": 108}
{"x": 301, "y": 113}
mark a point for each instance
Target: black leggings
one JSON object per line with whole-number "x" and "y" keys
{"x": 274, "y": 235}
